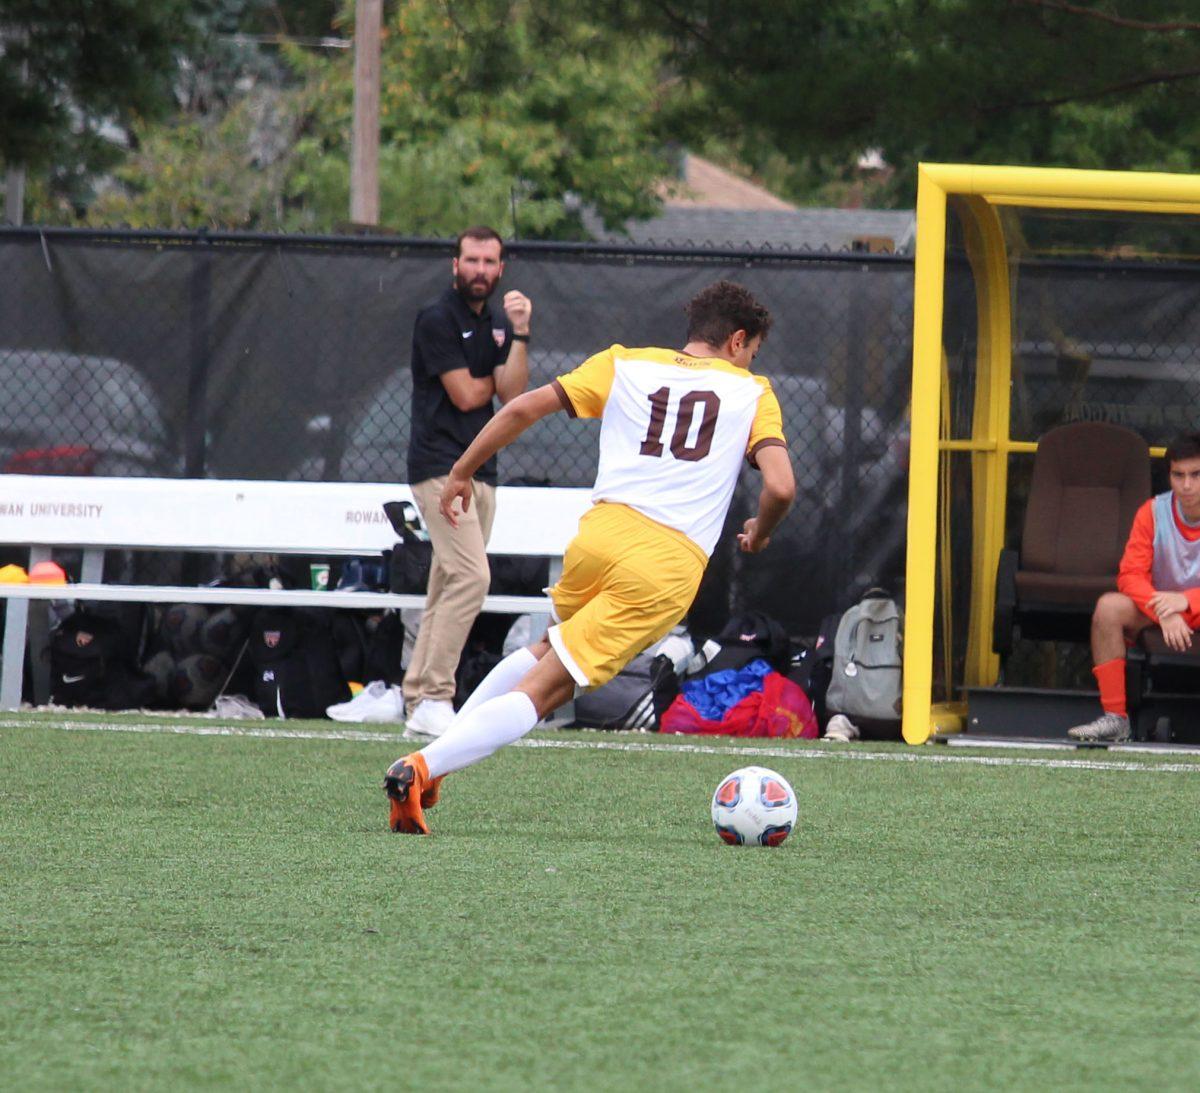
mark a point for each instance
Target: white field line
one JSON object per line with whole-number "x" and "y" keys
{"x": 914, "y": 755}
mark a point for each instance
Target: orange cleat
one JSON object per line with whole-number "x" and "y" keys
{"x": 432, "y": 793}
{"x": 407, "y": 783}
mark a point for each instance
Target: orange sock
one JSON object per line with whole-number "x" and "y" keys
{"x": 1111, "y": 677}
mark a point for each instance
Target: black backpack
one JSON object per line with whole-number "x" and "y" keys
{"x": 482, "y": 651}
{"x": 297, "y": 672}
{"x": 812, "y": 667}
{"x": 748, "y": 637}
{"x": 385, "y": 648}
{"x": 90, "y": 665}
{"x": 409, "y": 561}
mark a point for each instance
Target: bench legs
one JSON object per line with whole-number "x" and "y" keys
{"x": 16, "y": 632}
{"x": 16, "y": 617}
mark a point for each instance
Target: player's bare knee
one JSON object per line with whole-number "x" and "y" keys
{"x": 1112, "y": 610}
{"x": 548, "y": 685}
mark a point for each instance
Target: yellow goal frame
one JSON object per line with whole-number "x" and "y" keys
{"x": 975, "y": 193}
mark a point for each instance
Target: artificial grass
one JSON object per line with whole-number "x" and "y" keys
{"x": 230, "y": 912}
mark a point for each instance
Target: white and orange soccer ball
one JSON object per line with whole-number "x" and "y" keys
{"x": 754, "y": 806}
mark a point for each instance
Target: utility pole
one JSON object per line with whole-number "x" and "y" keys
{"x": 364, "y": 149}
{"x": 14, "y": 194}
{"x": 14, "y": 178}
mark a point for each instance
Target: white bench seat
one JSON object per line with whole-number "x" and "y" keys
{"x": 290, "y": 597}
{"x": 96, "y": 515}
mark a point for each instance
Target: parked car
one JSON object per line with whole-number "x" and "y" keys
{"x": 67, "y": 413}
{"x": 375, "y": 446}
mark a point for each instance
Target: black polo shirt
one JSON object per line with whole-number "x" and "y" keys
{"x": 449, "y": 335}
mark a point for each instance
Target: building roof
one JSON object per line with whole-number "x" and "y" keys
{"x": 705, "y": 185}
{"x": 712, "y": 207}
{"x": 795, "y": 230}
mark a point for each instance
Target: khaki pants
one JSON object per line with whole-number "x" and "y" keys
{"x": 458, "y": 583}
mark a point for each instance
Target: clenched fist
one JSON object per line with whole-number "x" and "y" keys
{"x": 518, "y": 308}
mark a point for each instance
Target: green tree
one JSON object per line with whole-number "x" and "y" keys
{"x": 1106, "y": 84}
{"x": 72, "y": 69}
{"x": 227, "y": 172}
{"x": 496, "y": 111}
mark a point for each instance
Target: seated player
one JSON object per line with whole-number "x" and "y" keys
{"x": 1158, "y": 585}
{"x": 675, "y": 427}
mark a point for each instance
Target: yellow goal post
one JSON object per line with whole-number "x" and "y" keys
{"x": 978, "y": 196}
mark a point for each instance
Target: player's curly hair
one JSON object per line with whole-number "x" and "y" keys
{"x": 716, "y": 312}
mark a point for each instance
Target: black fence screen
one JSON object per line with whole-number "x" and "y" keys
{"x": 285, "y": 358}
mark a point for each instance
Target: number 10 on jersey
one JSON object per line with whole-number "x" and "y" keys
{"x": 709, "y": 405}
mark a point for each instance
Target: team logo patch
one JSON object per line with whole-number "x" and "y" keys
{"x": 271, "y": 638}
{"x": 499, "y": 336}
{"x": 729, "y": 793}
{"x": 83, "y": 639}
{"x": 772, "y": 794}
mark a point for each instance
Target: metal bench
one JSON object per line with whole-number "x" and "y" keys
{"x": 96, "y": 515}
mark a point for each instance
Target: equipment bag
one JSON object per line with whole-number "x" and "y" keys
{"x": 409, "y": 561}
{"x": 297, "y": 673}
{"x": 747, "y": 637}
{"x": 385, "y": 648}
{"x": 754, "y": 700}
{"x": 812, "y": 667}
{"x": 635, "y": 698}
{"x": 867, "y": 663}
{"x": 89, "y": 665}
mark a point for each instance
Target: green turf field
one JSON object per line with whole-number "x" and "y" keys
{"x": 221, "y": 911}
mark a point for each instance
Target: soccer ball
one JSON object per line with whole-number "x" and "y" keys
{"x": 754, "y": 806}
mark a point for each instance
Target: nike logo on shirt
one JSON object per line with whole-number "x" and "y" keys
{"x": 467, "y": 333}
{"x": 73, "y": 679}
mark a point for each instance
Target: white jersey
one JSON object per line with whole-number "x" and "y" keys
{"x": 674, "y": 431}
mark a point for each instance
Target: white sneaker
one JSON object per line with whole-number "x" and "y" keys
{"x": 349, "y": 710}
{"x": 375, "y": 702}
{"x": 1111, "y": 728}
{"x": 841, "y": 729}
{"x": 431, "y": 718}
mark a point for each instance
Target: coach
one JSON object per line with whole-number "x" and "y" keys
{"x": 463, "y": 355}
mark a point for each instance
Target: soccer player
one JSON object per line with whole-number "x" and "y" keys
{"x": 675, "y": 427}
{"x": 1158, "y": 584}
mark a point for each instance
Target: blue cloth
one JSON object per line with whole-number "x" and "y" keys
{"x": 713, "y": 695}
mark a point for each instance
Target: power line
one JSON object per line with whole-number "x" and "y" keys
{"x": 286, "y": 39}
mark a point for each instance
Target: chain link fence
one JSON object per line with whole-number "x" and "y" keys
{"x": 1095, "y": 337}
{"x": 260, "y": 357}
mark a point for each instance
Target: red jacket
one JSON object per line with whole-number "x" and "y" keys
{"x": 1133, "y": 578}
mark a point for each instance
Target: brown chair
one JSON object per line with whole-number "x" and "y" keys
{"x": 1088, "y": 480}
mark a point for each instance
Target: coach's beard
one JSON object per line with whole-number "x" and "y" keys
{"x": 477, "y": 288}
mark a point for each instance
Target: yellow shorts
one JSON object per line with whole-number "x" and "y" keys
{"x": 626, "y": 581}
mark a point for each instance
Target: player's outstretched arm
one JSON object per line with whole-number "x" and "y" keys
{"x": 776, "y": 497}
{"x": 513, "y": 419}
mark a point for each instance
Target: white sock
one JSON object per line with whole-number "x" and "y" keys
{"x": 499, "y": 681}
{"x": 497, "y": 722}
